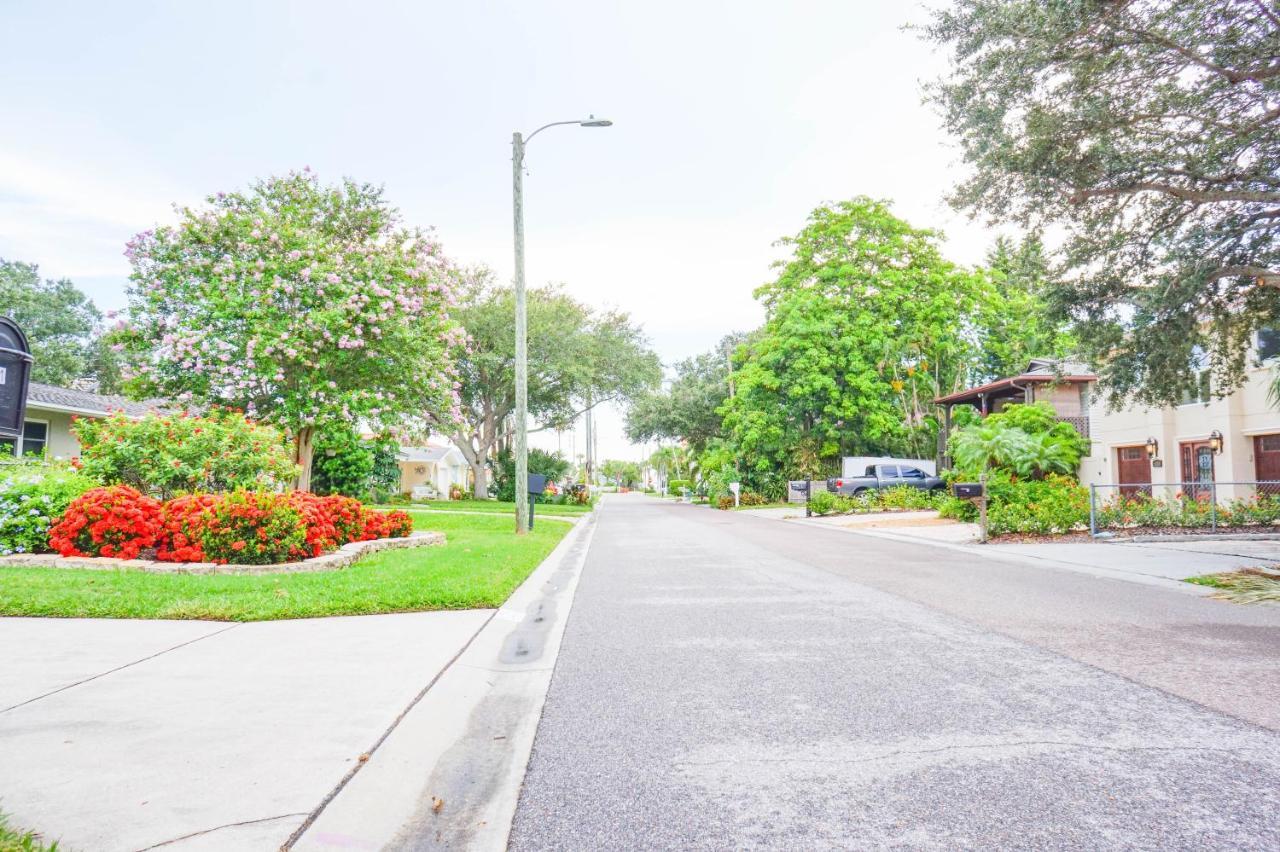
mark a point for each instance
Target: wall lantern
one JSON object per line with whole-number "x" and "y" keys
{"x": 1215, "y": 441}
{"x": 1153, "y": 448}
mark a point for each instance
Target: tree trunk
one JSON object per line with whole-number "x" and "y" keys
{"x": 303, "y": 449}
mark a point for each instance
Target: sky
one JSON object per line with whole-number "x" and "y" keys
{"x": 731, "y": 122}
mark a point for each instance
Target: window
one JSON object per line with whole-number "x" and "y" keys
{"x": 1268, "y": 343}
{"x": 35, "y": 437}
{"x": 889, "y": 471}
{"x": 912, "y": 473}
{"x": 1197, "y": 390}
{"x": 1132, "y": 453}
{"x": 1270, "y": 443}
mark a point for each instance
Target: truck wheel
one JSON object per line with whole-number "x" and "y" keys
{"x": 858, "y": 492}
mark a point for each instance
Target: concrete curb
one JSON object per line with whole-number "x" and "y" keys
{"x": 449, "y": 775}
{"x": 340, "y": 558}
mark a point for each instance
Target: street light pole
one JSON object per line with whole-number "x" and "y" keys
{"x": 518, "y": 144}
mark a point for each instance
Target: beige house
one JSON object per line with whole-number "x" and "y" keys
{"x": 50, "y": 409}
{"x": 430, "y": 471}
{"x": 1207, "y": 442}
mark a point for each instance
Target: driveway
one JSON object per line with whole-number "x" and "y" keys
{"x": 728, "y": 681}
{"x": 127, "y": 735}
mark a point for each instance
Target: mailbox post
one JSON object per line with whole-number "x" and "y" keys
{"x": 736, "y": 488}
{"x": 975, "y": 492}
{"x": 537, "y": 485}
{"x": 15, "y": 376}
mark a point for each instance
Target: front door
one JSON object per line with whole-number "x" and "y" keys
{"x": 1266, "y": 463}
{"x": 1197, "y": 469}
{"x": 1135, "y": 471}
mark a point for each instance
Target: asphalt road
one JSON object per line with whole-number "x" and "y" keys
{"x": 738, "y": 682}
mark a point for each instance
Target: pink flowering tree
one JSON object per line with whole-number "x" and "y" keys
{"x": 302, "y": 304}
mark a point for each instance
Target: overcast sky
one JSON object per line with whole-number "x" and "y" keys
{"x": 732, "y": 121}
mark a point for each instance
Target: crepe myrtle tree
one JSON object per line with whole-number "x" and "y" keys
{"x": 303, "y": 304}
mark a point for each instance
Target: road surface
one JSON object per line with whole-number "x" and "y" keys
{"x": 729, "y": 681}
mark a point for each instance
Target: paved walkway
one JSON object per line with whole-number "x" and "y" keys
{"x": 125, "y": 735}
{"x": 729, "y": 681}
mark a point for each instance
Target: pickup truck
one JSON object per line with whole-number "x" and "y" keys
{"x": 885, "y": 476}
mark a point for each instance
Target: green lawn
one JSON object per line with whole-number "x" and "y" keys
{"x": 480, "y": 566}
{"x": 16, "y": 840}
{"x": 492, "y": 506}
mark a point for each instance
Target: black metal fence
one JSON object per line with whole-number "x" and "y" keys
{"x": 1184, "y": 505}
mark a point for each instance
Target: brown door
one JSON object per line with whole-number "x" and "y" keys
{"x": 1197, "y": 469}
{"x": 1266, "y": 462}
{"x": 1135, "y": 471}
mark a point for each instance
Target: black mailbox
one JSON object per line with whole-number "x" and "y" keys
{"x": 537, "y": 483}
{"x": 968, "y": 490}
{"x": 15, "y": 374}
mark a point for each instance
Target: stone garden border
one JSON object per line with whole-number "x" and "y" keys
{"x": 340, "y": 558}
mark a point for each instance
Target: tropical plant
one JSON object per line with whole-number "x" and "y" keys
{"x": 304, "y": 305}
{"x": 168, "y": 454}
{"x": 1027, "y": 439}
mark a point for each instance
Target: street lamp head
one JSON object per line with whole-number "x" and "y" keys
{"x": 592, "y": 121}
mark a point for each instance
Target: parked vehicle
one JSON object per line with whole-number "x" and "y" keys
{"x": 879, "y": 476}
{"x": 852, "y": 466}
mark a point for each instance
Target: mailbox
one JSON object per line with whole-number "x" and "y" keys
{"x": 968, "y": 490}
{"x": 537, "y": 483}
{"x": 15, "y": 374}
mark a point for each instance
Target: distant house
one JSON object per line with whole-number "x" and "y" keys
{"x": 50, "y": 410}
{"x": 433, "y": 469}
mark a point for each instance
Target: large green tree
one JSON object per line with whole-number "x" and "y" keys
{"x": 866, "y": 324}
{"x": 305, "y": 305}
{"x": 1148, "y": 132}
{"x": 578, "y": 358}
{"x": 1013, "y": 319}
{"x": 61, "y": 323}
{"x": 688, "y": 408}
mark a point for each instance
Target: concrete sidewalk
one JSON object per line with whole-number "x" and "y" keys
{"x": 125, "y": 735}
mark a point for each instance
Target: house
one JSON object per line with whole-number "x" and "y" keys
{"x": 434, "y": 469}
{"x": 50, "y": 410}
{"x": 1065, "y": 386}
{"x": 1203, "y": 446}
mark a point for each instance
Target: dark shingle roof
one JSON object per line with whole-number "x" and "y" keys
{"x": 82, "y": 402}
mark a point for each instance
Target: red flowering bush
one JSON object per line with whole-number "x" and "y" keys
{"x": 254, "y": 528}
{"x": 114, "y": 521}
{"x": 347, "y": 514}
{"x": 386, "y": 525}
{"x": 322, "y": 535}
{"x": 185, "y": 520}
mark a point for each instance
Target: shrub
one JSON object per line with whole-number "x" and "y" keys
{"x": 342, "y": 463}
{"x": 675, "y": 486}
{"x": 164, "y": 455}
{"x": 347, "y": 516}
{"x": 551, "y": 465}
{"x": 254, "y": 528}
{"x": 1028, "y": 440}
{"x": 185, "y": 520}
{"x": 751, "y": 498}
{"x": 724, "y": 501}
{"x": 32, "y": 496}
{"x": 456, "y": 491}
{"x": 116, "y": 521}
{"x": 823, "y": 503}
{"x": 905, "y": 497}
{"x": 1056, "y": 504}
{"x": 317, "y": 518}
{"x": 386, "y": 525}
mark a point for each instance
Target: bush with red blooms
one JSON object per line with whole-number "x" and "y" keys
{"x": 115, "y": 521}
{"x": 185, "y": 521}
{"x": 386, "y": 525}
{"x": 322, "y": 534}
{"x": 254, "y": 528}
{"x": 347, "y": 514}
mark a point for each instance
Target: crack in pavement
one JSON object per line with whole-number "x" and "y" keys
{"x": 119, "y": 668}
{"x": 219, "y": 828}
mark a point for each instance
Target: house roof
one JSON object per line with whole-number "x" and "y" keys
{"x": 427, "y": 454}
{"x": 53, "y": 398}
{"x": 1039, "y": 370}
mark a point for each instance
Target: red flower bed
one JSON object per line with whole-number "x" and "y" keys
{"x": 115, "y": 521}
{"x": 245, "y": 527}
{"x": 185, "y": 521}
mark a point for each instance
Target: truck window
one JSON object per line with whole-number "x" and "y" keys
{"x": 889, "y": 471}
{"x": 912, "y": 473}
